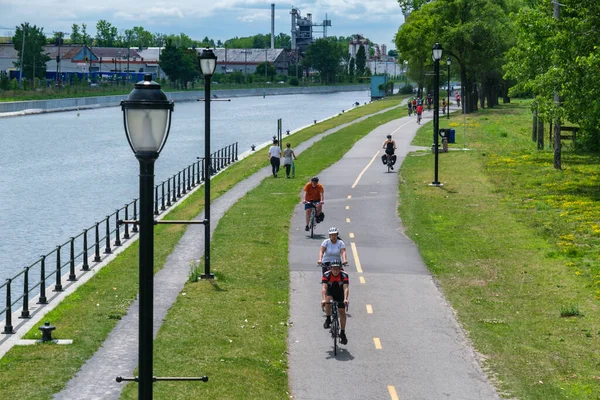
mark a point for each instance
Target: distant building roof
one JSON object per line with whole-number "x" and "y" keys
{"x": 150, "y": 53}
{"x": 114, "y": 52}
{"x": 249, "y": 56}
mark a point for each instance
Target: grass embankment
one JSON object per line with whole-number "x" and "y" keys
{"x": 88, "y": 315}
{"x": 514, "y": 244}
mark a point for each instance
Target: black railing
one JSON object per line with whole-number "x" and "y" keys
{"x": 38, "y": 275}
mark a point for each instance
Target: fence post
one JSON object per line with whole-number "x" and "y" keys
{"x": 194, "y": 174}
{"x": 169, "y": 192}
{"x": 117, "y": 229}
{"x": 203, "y": 174}
{"x": 126, "y": 233}
{"x": 135, "y": 228}
{"x": 183, "y": 189}
{"x": 179, "y": 184}
{"x": 236, "y": 151}
{"x": 8, "y": 328}
{"x": 162, "y": 197}
{"x": 198, "y": 176}
{"x": 156, "y": 200}
{"x": 107, "y": 249}
{"x": 58, "y": 284}
{"x": 25, "y": 310}
{"x": 189, "y": 182}
{"x": 72, "y": 276}
{"x": 43, "y": 299}
{"x": 86, "y": 265}
{"x": 174, "y": 190}
{"x": 97, "y": 245}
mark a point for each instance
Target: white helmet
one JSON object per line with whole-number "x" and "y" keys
{"x": 333, "y": 230}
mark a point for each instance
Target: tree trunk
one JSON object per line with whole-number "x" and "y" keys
{"x": 534, "y": 127}
{"x": 505, "y": 97}
{"x": 540, "y": 135}
{"x": 475, "y": 96}
{"x": 482, "y": 94}
{"x": 557, "y": 145}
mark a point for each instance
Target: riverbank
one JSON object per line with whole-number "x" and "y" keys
{"x": 18, "y": 108}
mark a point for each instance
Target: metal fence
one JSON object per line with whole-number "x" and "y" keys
{"x": 79, "y": 254}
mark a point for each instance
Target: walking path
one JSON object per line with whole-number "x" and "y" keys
{"x": 403, "y": 339}
{"x": 119, "y": 353}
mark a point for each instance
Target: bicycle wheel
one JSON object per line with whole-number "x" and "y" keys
{"x": 335, "y": 330}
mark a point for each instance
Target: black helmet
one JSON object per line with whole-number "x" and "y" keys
{"x": 335, "y": 263}
{"x": 314, "y": 179}
{"x": 389, "y": 136}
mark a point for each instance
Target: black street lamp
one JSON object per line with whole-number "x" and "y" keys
{"x": 448, "y": 62}
{"x": 436, "y": 55}
{"x": 147, "y": 121}
{"x": 208, "y": 63}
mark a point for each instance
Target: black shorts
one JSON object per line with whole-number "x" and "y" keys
{"x": 389, "y": 151}
{"x": 337, "y": 297}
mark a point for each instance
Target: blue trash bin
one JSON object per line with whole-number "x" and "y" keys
{"x": 452, "y": 136}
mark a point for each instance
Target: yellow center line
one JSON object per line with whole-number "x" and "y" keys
{"x": 369, "y": 309}
{"x": 377, "y": 343}
{"x": 349, "y": 196}
{"x": 347, "y": 207}
{"x": 362, "y": 279}
{"x": 392, "y": 392}
{"x": 351, "y": 235}
{"x": 356, "y": 260}
{"x": 364, "y": 170}
{"x": 348, "y": 220}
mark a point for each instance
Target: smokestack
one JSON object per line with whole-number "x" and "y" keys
{"x": 272, "y": 26}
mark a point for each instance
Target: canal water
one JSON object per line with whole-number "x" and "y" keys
{"x": 62, "y": 172}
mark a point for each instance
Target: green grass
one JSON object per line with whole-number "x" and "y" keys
{"x": 513, "y": 243}
{"x": 89, "y": 314}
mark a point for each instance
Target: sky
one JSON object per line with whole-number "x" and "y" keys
{"x": 378, "y": 20}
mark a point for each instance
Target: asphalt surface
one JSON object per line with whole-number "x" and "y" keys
{"x": 403, "y": 338}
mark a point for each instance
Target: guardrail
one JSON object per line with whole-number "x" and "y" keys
{"x": 90, "y": 242}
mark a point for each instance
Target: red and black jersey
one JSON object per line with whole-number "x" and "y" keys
{"x": 335, "y": 284}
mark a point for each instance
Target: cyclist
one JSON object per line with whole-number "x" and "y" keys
{"x": 419, "y": 113}
{"x": 313, "y": 194}
{"x": 444, "y": 106}
{"x": 458, "y": 99}
{"x": 332, "y": 249}
{"x": 390, "y": 146}
{"x": 334, "y": 287}
{"x": 409, "y": 108}
{"x": 414, "y": 104}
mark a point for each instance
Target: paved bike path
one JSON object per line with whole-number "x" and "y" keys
{"x": 404, "y": 340}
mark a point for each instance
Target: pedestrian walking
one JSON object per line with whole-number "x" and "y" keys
{"x": 275, "y": 157}
{"x": 288, "y": 159}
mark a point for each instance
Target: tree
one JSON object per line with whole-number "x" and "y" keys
{"x": 179, "y": 63}
{"x": 271, "y": 71}
{"x": 324, "y": 56}
{"x": 351, "y": 69}
{"x": 57, "y": 38}
{"x": 34, "y": 57}
{"x": 86, "y": 39}
{"x": 361, "y": 61}
{"x": 106, "y": 34}
{"x": 75, "y": 34}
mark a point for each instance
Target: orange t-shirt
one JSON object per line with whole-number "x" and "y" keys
{"x": 313, "y": 193}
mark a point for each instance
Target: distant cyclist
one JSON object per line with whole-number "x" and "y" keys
{"x": 313, "y": 194}
{"x": 444, "y": 106}
{"x": 332, "y": 249}
{"x": 419, "y": 113}
{"x": 410, "y": 108}
{"x": 334, "y": 287}
{"x": 390, "y": 147}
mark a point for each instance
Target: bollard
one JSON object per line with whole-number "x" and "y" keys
{"x": 252, "y": 147}
{"x": 72, "y": 276}
{"x": 8, "y": 327}
{"x": 58, "y": 284}
{"x": 25, "y": 310}
{"x": 117, "y": 229}
{"x": 97, "y": 244}
{"x": 86, "y": 265}
{"x": 46, "y": 332}
{"x": 107, "y": 249}
{"x": 43, "y": 299}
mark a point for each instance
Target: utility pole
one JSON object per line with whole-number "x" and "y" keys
{"x": 557, "y": 139}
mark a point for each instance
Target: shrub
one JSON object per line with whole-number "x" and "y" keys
{"x": 406, "y": 89}
{"x": 294, "y": 81}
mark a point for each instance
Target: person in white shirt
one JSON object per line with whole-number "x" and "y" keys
{"x": 275, "y": 157}
{"x": 332, "y": 249}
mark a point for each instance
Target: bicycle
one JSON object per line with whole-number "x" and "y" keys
{"x": 312, "y": 219}
{"x": 335, "y": 325}
{"x": 390, "y": 168}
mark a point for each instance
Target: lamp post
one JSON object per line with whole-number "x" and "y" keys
{"x": 436, "y": 55}
{"x": 208, "y": 63}
{"x": 147, "y": 121}
{"x": 448, "y": 62}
